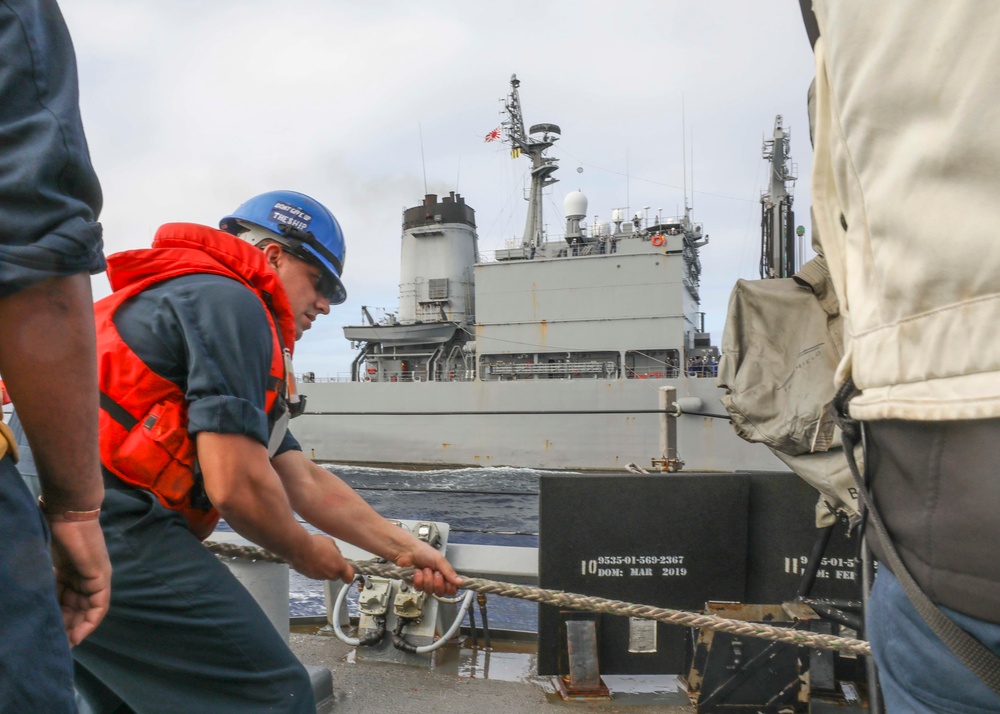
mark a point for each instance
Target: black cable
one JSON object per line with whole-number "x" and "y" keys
{"x": 815, "y": 559}
{"x": 444, "y": 490}
{"x": 370, "y": 638}
{"x": 488, "y": 532}
{"x": 839, "y": 603}
{"x": 836, "y": 615}
{"x": 668, "y": 412}
{"x": 399, "y": 640}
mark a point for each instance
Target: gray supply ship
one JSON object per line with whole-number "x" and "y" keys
{"x": 551, "y": 353}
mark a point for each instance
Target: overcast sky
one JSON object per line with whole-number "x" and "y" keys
{"x": 192, "y": 106}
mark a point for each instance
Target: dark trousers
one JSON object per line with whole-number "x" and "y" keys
{"x": 182, "y": 634}
{"x": 36, "y": 671}
{"x": 937, "y": 488}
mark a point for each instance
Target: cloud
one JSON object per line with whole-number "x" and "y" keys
{"x": 192, "y": 107}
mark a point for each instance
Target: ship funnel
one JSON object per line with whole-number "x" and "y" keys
{"x": 439, "y": 249}
{"x": 575, "y": 209}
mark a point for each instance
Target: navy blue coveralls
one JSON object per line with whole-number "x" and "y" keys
{"x": 182, "y": 634}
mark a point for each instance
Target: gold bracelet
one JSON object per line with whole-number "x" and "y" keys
{"x": 72, "y": 516}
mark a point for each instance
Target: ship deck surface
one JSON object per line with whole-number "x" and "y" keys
{"x": 464, "y": 678}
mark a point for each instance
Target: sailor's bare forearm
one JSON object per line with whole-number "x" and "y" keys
{"x": 324, "y": 500}
{"x": 245, "y": 490}
{"x": 49, "y": 365}
{"x": 242, "y": 484}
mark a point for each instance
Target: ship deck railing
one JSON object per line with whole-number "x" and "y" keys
{"x": 653, "y": 373}
{"x": 313, "y": 378}
{"x": 384, "y": 376}
{"x": 506, "y": 372}
{"x": 415, "y": 376}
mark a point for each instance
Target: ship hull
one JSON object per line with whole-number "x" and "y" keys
{"x": 541, "y": 424}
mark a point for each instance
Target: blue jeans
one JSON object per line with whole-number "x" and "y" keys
{"x": 36, "y": 670}
{"x": 918, "y": 672}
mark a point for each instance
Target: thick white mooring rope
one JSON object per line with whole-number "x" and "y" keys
{"x": 574, "y": 601}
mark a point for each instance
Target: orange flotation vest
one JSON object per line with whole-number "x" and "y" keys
{"x": 144, "y": 437}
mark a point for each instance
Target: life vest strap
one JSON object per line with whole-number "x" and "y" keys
{"x": 117, "y": 412}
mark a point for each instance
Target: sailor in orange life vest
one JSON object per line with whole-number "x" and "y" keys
{"x": 194, "y": 356}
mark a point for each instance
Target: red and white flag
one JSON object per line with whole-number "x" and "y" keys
{"x": 493, "y": 135}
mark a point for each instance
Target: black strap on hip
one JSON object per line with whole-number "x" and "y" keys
{"x": 980, "y": 660}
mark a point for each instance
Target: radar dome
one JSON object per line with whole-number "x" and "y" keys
{"x": 575, "y": 205}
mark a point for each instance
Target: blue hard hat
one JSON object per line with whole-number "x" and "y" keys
{"x": 302, "y": 225}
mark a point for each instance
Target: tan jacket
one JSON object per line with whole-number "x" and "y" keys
{"x": 906, "y": 195}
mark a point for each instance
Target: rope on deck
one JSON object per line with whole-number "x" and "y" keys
{"x": 574, "y": 601}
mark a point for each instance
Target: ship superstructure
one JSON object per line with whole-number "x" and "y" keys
{"x": 547, "y": 354}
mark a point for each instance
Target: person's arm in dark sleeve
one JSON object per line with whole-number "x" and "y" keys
{"x": 211, "y": 336}
{"x": 49, "y": 243}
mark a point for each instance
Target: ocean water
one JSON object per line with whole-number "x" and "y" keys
{"x": 492, "y": 506}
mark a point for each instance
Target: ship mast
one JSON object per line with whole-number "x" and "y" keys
{"x": 777, "y": 248}
{"x": 542, "y": 167}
